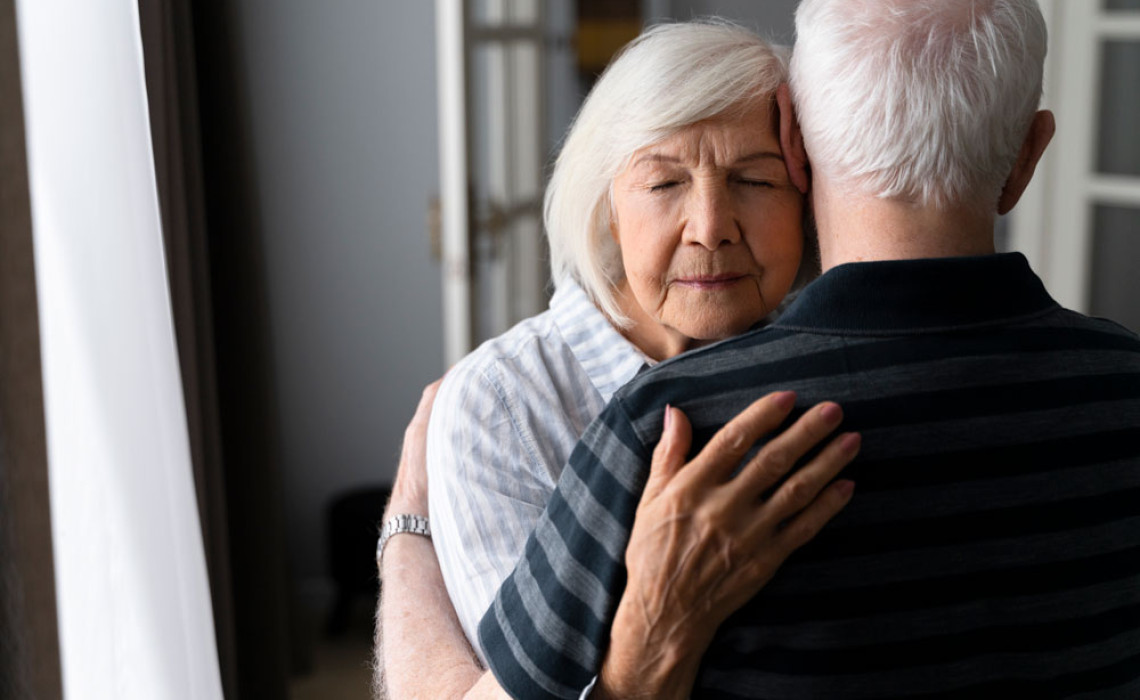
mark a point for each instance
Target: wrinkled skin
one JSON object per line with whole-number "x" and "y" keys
{"x": 704, "y": 543}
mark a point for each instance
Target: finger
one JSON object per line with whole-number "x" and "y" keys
{"x": 669, "y": 455}
{"x": 804, "y": 486}
{"x": 806, "y": 525}
{"x": 723, "y": 453}
{"x": 776, "y": 458}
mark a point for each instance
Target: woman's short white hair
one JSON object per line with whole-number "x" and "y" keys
{"x": 670, "y": 77}
{"x": 925, "y": 101}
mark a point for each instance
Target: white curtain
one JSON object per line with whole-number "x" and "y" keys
{"x": 133, "y": 598}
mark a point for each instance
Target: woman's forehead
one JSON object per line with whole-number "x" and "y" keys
{"x": 742, "y": 139}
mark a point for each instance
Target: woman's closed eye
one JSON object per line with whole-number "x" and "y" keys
{"x": 662, "y": 186}
{"x": 749, "y": 182}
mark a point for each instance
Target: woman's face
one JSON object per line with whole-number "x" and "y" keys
{"x": 709, "y": 227}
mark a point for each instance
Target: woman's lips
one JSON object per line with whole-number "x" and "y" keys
{"x": 710, "y": 282}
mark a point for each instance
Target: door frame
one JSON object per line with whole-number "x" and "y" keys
{"x": 1053, "y": 223}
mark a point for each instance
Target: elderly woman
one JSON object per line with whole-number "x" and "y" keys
{"x": 673, "y": 222}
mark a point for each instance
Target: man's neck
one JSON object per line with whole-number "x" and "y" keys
{"x": 855, "y": 228}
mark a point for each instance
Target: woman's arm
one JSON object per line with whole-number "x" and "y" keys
{"x": 421, "y": 651}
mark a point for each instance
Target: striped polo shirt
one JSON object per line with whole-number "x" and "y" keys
{"x": 993, "y": 544}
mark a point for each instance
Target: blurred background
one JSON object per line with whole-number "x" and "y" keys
{"x": 350, "y": 196}
{"x": 352, "y": 258}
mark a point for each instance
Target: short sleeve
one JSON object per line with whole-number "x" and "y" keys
{"x": 486, "y": 490}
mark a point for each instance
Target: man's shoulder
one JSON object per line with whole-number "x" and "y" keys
{"x": 768, "y": 351}
{"x": 760, "y": 356}
{"x": 713, "y": 383}
{"x": 1112, "y": 331}
{"x": 742, "y": 350}
{"x": 1109, "y": 345}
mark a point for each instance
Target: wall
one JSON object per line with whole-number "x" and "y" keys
{"x": 343, "y": 111}
{"x": 772, "y": 18}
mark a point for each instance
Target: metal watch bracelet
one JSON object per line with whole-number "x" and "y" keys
{"x": 401, "y": 524}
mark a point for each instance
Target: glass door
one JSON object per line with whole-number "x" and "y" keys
{"x": 492, "y": 56}
{"x": 1080, "y": 222}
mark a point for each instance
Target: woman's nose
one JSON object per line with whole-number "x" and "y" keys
{"x": 712, "y": 221}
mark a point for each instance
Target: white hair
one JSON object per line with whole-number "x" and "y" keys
{"x": 926, "y": 101}
{"x": 670, "y": 77}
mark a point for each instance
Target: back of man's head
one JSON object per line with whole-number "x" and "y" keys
{"x": 926, "y": 101}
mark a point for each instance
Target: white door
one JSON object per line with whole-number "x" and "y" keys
{"x": 1080, "y": 222}
{"x": 492, "y": 150}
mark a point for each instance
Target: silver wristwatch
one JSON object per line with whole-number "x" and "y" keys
{"x": 398, "y": 524}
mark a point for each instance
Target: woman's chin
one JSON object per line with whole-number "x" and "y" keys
{"x": 708, "y": 317}
{"x": 712, "y": 330}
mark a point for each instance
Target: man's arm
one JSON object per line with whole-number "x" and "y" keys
{"x": 704, "y": 543}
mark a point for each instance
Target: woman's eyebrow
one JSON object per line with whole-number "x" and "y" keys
{"x": 749, "y": 158}
{"x": 656, "y": 158}
{"x": 759, "y": 155}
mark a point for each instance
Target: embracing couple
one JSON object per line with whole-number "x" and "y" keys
{"x": 735, "y": 459}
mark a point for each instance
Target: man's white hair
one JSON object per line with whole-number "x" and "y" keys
{"x": 926, "y": 101}
{"x": 670, "y": 77}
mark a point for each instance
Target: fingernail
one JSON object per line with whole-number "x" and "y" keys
{"x": 851, "y": 442}
{"x": 668, "y": 416}
{"x": 785, "y": 400}
{"x": 831, "y": 412}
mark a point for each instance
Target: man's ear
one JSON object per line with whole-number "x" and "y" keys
{"x": 1040, "y": 134}
{"x": 792, "y": 140}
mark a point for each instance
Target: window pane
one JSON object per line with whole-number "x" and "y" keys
{"x": 524, "y": 11}
{"x": 486, "y": 13}
{"x": 1119, "y": 140}
{"x": 1122, "y": 4}
{"x": 1116, "y": 254}
{"x": 526, "y": 121}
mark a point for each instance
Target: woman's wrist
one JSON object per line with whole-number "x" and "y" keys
{"x": 395, "y": 509}
{"x": 408, "y": 553}
{"x": 406, "y": 499}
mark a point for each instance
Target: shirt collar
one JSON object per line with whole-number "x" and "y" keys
{"x": 914, "y": 296}
{"x": 608, "y": 359}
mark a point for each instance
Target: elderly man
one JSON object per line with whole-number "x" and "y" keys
{"x": 993, "y": 546}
